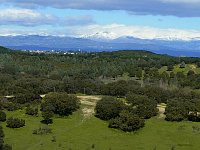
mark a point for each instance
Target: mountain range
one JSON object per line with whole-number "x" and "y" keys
{"x": 102, "y": 42}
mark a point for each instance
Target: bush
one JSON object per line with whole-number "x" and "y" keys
{"x": 47, "y": 113}
{"x": 32, "y": 111}
{"x": 142, "y": 105}
{"x": 22, "y": 98}
{"x": 13, "y": 106}
{"x": 178, "y": 108}
{"x": 1, "y": 132}
{"x": 15, "y": 122}
{"x": 42, "y": 130}
{"x": 2, "y": 116}
{"x": 127, "y": 122}
{"x": 60, "y": 103}
{"x": 108, "y": 108}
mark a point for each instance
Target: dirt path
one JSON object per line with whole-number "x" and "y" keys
{"x": 161, "y": 110}
{"x": 88, "y": 104}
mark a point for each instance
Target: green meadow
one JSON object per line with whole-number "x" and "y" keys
{"x": 76, "y": 133}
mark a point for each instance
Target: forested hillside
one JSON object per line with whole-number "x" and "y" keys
{"x": 22, "y": 72}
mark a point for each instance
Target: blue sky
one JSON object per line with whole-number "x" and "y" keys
{"x": 140, "y": 18}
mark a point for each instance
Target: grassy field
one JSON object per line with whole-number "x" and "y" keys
{"x": 74, "y": 133}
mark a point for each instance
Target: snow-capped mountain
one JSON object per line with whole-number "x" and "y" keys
{"x": 100, "y": 36}
{"x": 102, "y": 42}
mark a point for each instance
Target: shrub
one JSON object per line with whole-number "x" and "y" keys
{"x": 22, "y": 98}
{"x": 15, "y": 122}
{"x": 42, "y": 130}
{"x": 60, "y": 103}
{"x": 2, "y": 116}
{"x": 32, "y": 111}
{"x": 143, "y": 106}
{"x": 13, "y": 106}
{"x": 108, "y": 108}
{"x": 127, "y": 122}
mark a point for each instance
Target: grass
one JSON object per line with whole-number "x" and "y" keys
{"x": 71, "y": 133}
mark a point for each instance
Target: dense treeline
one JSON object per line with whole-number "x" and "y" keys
{"x": 23, "y": 72}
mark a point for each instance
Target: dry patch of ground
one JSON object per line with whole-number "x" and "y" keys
{"x": 161, "y": 110}
{"x": 88, "y": 104}
{"x": 193, "y": 67}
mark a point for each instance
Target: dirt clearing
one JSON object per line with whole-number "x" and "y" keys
{"x": 161, "y": 110}
{"x": 88, "y": 104}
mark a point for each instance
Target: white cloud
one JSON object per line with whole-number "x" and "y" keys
{"x": 28, "y": 17}
{"x": 111, "y": 31}
{"x": 25, "y": 17}
{"x": 118, "y": 30}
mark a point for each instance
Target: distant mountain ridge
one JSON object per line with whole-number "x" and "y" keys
{"x": 37, "y": 42}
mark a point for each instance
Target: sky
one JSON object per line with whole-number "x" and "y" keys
{"x": 147, "y": 19}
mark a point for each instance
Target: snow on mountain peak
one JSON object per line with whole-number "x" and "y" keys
{"x": 105, "y": 35}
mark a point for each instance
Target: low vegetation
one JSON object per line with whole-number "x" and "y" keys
{"x": 15, "y": 122}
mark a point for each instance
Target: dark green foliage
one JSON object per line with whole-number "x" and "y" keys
{"x": 47, "y": 114}
{"x": 156, "y": 93}
{"x": 33, "y": 111}
{"x": 2, "y": 116}
{"x": 108, "y": 108}
{"x": 165, "y": 76}
{"x": 127, "y": 122}
{"x": 175, "y": 110}
{"x": 139, "y": 73}
{"x": 119, "y": 88}
{"x": 58, "y": 103}
{"x": 190, "y": 73}
{"x": 62, "y": 104}
{"x": 12, "y": 106}
{"x": 172, "y": 75}
{"x": 170, "y": 67}
{"x": 142, "y": 105}
{"x": 184, "y": 106}
{"x": 26, "y": 98}
{"x": 15, "y": 122}
{"x": 1, "y": 132}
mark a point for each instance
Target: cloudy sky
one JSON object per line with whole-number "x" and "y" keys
{"x": 112, "y": 18}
